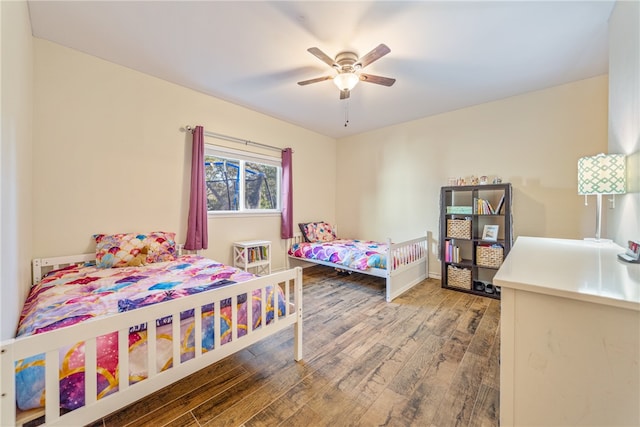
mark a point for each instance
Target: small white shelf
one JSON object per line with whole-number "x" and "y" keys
{"x": 253, "y": 254}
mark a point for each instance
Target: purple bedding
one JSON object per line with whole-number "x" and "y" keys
{"x": 355, "y": 254}
{"x": 78, "y": 293}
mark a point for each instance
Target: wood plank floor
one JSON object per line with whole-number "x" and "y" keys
{"x": 430, "y": 358}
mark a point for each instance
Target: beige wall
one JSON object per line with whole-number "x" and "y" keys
{"x": 110, "y": 156}
{"x": 16, "y": 93}
{"x": 533, "y": 141}
{"x": 624, "y": 116}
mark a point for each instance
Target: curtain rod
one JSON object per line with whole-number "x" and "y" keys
{"x": 237, "y": 140}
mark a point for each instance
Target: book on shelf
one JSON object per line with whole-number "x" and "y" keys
{"x": 461, "y": 210}
{"x": 500, "y": 205}
{"x": 484, "y": 207}
{"x": 447, "y": 245}
{"x": 451, "y": 252}
{"x": 257, "y": 254}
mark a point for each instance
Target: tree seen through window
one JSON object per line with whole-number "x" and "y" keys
{"x": 224, "y": 176}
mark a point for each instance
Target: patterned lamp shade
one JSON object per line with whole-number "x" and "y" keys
{"x": 602, "y": 174}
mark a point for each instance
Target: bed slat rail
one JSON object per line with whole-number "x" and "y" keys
{"x": 51, "y": 342}
{"x": 408, "y": 252}
{"x": 123, "y": 359}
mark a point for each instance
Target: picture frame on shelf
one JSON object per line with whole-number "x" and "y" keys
{"x": 490, "y": 233}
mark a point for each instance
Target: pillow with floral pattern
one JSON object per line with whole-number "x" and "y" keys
{"x": 162, "y": 246}
{"x": 318, "y": 231}
{"x": 118, "y": 250}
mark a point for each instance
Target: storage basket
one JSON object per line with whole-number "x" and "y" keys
{"x": 458, "y": 277}
{"x": 459, "y": 228}
{"x": 489, "y": 256}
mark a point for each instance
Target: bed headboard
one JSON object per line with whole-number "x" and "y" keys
{"x": 41, "y": 266}
{"x": 297, "y": 238}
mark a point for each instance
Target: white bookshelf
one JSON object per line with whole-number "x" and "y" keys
{"x": 253, "y": 256}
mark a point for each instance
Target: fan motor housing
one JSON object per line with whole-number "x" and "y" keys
{"x": 347, "y": 61}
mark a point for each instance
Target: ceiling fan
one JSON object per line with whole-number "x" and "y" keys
{"x": 349, "y": 67}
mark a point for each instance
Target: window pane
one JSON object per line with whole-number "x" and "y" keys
{"x": 222, "y": 177}
{"x": 261, "y": 186}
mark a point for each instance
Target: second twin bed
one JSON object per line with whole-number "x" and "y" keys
{"x": 402, "y": 265}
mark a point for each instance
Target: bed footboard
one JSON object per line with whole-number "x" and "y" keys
{"x": 407, "y": 264}
{"x": 50, "y": 343}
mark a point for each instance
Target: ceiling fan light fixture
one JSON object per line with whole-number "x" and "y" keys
{"x": 346, "y": 81}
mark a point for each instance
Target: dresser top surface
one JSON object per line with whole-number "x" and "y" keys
{"x": 577, "y": 269}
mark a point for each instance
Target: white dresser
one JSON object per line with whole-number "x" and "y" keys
{"x": 570, "y": 335}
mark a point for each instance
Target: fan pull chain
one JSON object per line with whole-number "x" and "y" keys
{"x": 346, "y": 114}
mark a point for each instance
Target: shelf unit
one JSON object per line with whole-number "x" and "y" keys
{"x": 253, "y": 254}
{"x": 470, "y": 261}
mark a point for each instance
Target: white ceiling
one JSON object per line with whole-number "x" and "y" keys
{"x": 445, "y": 55}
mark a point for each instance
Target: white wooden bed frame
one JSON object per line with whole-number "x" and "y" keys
{"x": 50, "y": 342}
{"x": 406, "y": 266}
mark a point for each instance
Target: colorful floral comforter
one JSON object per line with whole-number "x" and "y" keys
{"x": 355, "y": 254}
{"x": 78, "y": 293}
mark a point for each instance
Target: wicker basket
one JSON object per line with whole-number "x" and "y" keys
{"x": 459, "y": 228}
{"x": 488, "y": 256}
{"x": 458, "y": 277}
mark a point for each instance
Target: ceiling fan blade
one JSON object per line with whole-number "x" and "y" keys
{"x": 316, "y": 80}
{"x": 344, "y": 94}
{"x": 323, "y": 57}
{"x": 374, "y": 55}
{"x": 370, "y": 78}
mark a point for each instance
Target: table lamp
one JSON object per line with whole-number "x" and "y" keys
{"x": 601, "y": 174}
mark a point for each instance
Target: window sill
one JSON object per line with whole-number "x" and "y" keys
{"x": 242, "y": 214}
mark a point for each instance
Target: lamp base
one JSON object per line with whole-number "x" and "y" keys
{"x": 595, "y": 240}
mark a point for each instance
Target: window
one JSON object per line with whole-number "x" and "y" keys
{"x": 241, "y": 182}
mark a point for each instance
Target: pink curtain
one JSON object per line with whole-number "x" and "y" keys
{"x": 286, "y": 229}
{"x": 197, "y": 233}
